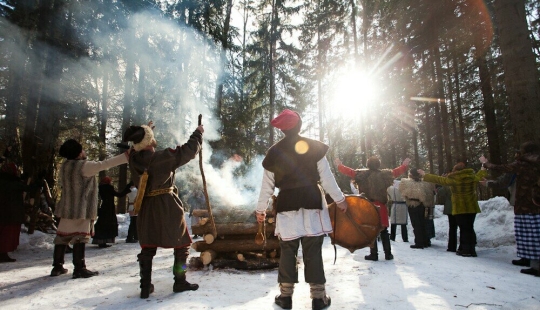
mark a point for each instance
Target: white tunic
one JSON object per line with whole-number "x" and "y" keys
{"x": 292, "y": 225}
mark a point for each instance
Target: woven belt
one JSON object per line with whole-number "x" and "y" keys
{"x": 158, "y": 192}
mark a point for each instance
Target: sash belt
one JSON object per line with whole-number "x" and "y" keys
{"x": 161, "y": 191}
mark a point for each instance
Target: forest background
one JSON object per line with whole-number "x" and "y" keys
{"x": 437, "y": 81}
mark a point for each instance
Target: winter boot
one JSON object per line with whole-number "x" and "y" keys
{"x": 147, "y": 287}
{"x": 80, "y": 270}
{"x": 58, "y": 260}
{"x": 373, "y": 253}
{"x": 386, "y": 245}
{"x": 179, "y": 271}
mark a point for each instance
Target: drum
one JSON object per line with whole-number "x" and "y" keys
{"x": 358, "y": 227}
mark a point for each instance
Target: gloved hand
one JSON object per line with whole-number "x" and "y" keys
{"x": 406, "y": 161}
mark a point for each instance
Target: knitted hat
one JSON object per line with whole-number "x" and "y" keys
{"x": 71, "y": 149}
{"x": 141, "y": 136}
{"x": 286, "y": 120}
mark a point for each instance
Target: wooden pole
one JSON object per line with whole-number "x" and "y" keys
{"x": 214, "y": 231}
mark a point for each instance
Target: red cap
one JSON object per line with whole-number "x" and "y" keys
{"x": 286, "y": 120}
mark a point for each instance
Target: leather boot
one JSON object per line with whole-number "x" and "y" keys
{"x": 179, "y": 271}
{"x": 58, "y": 260}
{"x": 321, "y": 303}
{"x": 386, "y": 245}
{"x": 80, "y": 270}
{"x": 373, "y": 253}
{"x": 147, "y": 287}
{"x": 285, "y": 302}
{"x": 393, "y": 228}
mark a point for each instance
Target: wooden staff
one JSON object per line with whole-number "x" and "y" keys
{"x": 210, "y": 215}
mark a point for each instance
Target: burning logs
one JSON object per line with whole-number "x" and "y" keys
{"x": 235, "y": 244}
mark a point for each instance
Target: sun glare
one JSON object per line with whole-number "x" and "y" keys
{"x": 355, "y": 93}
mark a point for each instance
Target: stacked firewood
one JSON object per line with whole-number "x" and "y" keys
{"x": 241, "y": 242}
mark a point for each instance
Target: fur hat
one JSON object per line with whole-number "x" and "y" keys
{"x": 71, "y": 149}
{"x": 141, "y": 136}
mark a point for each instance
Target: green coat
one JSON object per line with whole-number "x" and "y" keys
{"x": 463, "y": 185}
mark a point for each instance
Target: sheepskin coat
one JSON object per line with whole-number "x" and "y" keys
{"x": 79, "y": 198}
{"x": 417, "y": 192}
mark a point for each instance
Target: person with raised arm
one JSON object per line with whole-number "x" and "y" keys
{"x": 373, "y": 183}
{"x": 161, "y": 221}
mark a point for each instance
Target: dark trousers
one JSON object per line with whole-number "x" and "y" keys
{"x": 404, "y": 232}
{"x": 132, "y": 230}
{"x": 467, "y": 235}
{"x": 312, "y": 255}
{"x": 452, "y": 233}
{"x": 417, "y": 215}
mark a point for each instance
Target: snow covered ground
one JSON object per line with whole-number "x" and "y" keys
{"x": 416, "y": 279}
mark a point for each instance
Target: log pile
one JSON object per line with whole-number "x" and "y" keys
{"x": 235, "y": 245}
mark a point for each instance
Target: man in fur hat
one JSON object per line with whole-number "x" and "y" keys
{"x": 296, "y": 165}
{"x": 161, "y": 221}
{"x": 374, "y": 182}
{"x": 78, "y": 205}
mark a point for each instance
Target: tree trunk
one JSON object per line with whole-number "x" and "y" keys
{"x": 489, "y": 110}
{"x": 127, "y": 114}
{"x": 444, "y": 111}
{"x": 437, "y": 121}
{"x": 520, "y": 68}
{"x": 461, "y": 139}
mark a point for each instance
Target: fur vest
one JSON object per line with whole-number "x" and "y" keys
{"x": 79, "y": 198}
{"x": 373, "y": 183}
{"x": 417, "y": 192}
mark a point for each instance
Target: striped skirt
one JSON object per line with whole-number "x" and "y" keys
{"x": 527, "y": 230}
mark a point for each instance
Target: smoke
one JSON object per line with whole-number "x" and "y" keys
{"x": 179, "y": 66}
